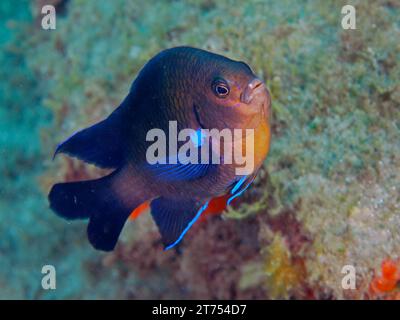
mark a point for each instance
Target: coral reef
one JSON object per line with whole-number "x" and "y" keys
{"x": 385, "y": 284}
{"x": 327, "y": 196}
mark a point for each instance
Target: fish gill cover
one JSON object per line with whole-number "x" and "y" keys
{"x": 327, "y": 195}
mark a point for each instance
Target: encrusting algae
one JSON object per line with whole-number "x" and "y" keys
{"x": 283, "y": 273}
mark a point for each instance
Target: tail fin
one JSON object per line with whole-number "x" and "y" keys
{"x": 93, "y": 199}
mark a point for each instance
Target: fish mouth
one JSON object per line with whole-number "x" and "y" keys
{"x": 255, "y": 87}
{"x": 257, "y": 99}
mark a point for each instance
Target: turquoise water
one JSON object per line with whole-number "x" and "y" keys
{"x": 31, "y": 236}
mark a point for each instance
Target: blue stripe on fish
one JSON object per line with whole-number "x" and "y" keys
{"x": 239, "y": 193}
{"x": 204, "y": 207}
{"x": 238, "y": 184}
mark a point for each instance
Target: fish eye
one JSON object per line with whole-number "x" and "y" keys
{"x": 220, "y": 88}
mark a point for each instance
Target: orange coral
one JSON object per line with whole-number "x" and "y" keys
{"x": 386, "y": 284}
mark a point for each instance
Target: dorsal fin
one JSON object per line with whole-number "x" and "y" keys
{"x": 101, "y": 144}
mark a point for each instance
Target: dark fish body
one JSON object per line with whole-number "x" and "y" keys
{"x": 196, "y": 89}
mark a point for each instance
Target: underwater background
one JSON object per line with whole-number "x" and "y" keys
{"x": 327, "y": 196}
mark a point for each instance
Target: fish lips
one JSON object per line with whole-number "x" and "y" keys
{"x": 257, "y": 98}
{"x": 253, "y": 88}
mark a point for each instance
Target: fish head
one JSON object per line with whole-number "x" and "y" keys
{"x": 231, "y": 96}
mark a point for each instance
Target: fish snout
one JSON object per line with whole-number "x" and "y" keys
{"x": 254, "y": 86}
